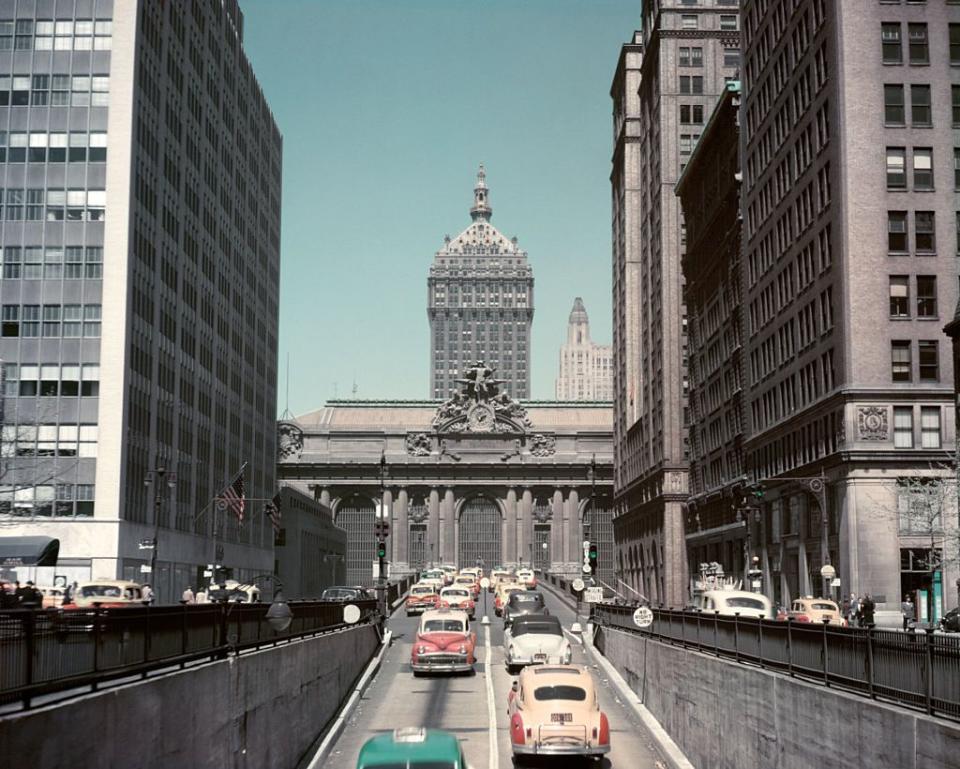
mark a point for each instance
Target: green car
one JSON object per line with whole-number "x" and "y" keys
{"x": 412, "y": 748}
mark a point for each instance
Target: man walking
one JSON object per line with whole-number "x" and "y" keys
{"x": 867, "y": 607}
{"x": 147, "y": 594}
{"x": 853, "y": 610}
{"x": 909, "y": 614}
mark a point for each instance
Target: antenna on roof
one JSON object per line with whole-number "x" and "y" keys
{"x": 286, "y": 408}
{"x": 354, "y": 388}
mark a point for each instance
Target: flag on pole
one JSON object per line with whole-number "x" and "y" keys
{"x": 233, "y": 496}
{"x": 272, "y": 511}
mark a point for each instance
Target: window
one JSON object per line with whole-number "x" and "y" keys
{"x": 924, "y": 232}
{"x": 72, "y": 321}
{"x": 91, "y": 320}
{"x": 691, "y": 114}
{"x": 956, "y": 168}
{"x": 921, "y": 110}
{"x": 899, "y": 296}
{"x": 900, "y": 359}
{"x": 930, "y": 427}
{"x": 896, "y": 168}
{"x": 728, "y": 21}
{"x": 929, "y": 360}
{"x": 692, "y": 84}
{"x": 918, "y": 44}
{"x": 897, "y": 231}
{"x": 731, "y": 57}
{"x": 955, "y": 98}
{"x": 891, "y": 43}
{"x": 926, "y": 296}
{"x": 893, "y": 107}
{"x": 903, "y": 427}
{"x": 955, "y": 44}
{"x": 684, "y": 58}
{"x": 922, "y": 168}
{"x": 689, "y": 21}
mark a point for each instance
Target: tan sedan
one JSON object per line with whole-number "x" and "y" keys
{"x": 816, "y": 611}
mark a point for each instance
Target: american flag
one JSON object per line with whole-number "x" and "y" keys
{"x": 272, "y": 511}
{"x": 232, "y": 497}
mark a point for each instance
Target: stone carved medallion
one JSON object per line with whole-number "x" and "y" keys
{"x": 289, "y": 441}
{"x": 872, "y": 423}
{"x": 419, "y": 444}
{"x": 543, "y": 445}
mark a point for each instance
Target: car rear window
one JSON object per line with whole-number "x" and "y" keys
{"x": 823, "y": 607}
{"x": 540, "y": 628}
{"x": 422, "y": 590}
{"x": 745, "y": 603}
{"x": 563, "y": 692}
{"x": 110, "y": 591}
{"x": 455, "y": 593}
{"x": 441, "y": 625}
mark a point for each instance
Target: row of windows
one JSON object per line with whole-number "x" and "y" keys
{"x": 53, "y": 147}
{"x": 928, "y": 360}
{"x": 35, "y": 205}
{"x": 48, "y": 440}
{"x": 924, "y": 232}
{"x": 56, "y": 35}
{"x": 921, "y": 105}
{"x": 55, "y": 90}
{"x": 903, "y": 433}
{"x": 68, "y": 321}
{"x": 693, "y": 57}
{"x": 52, "y": 262}
{"x": 51, "y": 379}
{"x": 922, "y": 162}
{"x": 918, "y": 43}
{"x": 926, "y": 296}
{"x": 65, "y": 500}
{"x": 728, "y": 22}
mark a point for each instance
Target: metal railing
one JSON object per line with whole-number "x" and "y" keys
{"x": 921, "y": 670}
{"x": 47, "y": 651}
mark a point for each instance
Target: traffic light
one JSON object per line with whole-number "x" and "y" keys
{"x": 757, "y": 492}
{"x": 593, "y": 556}
{"x": 381, "y": 549}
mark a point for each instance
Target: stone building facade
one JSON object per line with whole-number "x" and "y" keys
{"x": 689, "y": 51}
{"x": 309, "y": 550}
{"x": 479, "y": 476}
{"x": 586, "y": 368}
{"x": 480, "y": 303}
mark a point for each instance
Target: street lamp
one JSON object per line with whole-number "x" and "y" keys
{"x": 155, "y": 478}
{"x": 279, "y": 615}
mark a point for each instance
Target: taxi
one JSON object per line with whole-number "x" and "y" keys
{"x": 498, "y": 575}
{"x": 816, "y": 610}
{"x": 444, "y": 643}
{"x": 456, "y": 597}
{"x": 412, "y": 748}
{"x": 527, "y": 577}
{"x": 106, "y": 594}
{"x": 554, "y": 711}
{"x": 422, "y": 597}
{"x": 504, "y": 589}
{"x": 469, "y": 582}
{"x": 435, "y": 574}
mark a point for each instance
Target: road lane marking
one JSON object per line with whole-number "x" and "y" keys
{"x": 494, "y": 762}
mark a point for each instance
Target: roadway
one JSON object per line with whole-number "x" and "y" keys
{"x": 463, "y": 704}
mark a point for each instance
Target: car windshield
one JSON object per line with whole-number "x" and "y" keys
{"x": 455, "y": 594}
{"x": 540, "y": 628}
{"x": 442, "y": 625}
{"x": 745, "y": 603}
{"x": 336, "y": 594}
{"x": 563, "y": 692}
{"x": 422, "y": 590}
{"x": 110, "y": 591}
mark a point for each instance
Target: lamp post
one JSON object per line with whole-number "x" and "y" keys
{"x": 155, "y": 478}
{"x": 279, "y": 615}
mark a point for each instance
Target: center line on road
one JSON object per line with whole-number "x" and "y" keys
{"x": 494, "y": 762}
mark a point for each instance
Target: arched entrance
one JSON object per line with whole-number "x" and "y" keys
{"x": 356, "y": 515}
{"x": 479, "y": 536}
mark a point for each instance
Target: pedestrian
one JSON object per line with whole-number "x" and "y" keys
{"x": 7, "y": 599}
{"x": 853, "y": 610}
{"x": 909, "y": 614}
{"x": 867, "y": 607}
{"x": 67, "y": 595}
{"x": 32, "y": 598}
{"x": 202, "y": 596}
{"x": 18, "y": 591}
{"x": 188, "y": 596}
{"x": 147, "y": 594}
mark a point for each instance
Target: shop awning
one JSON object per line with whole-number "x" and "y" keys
{"x": 28, "y": 551}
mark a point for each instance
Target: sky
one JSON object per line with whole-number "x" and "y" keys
{"x": 387, "y": 107}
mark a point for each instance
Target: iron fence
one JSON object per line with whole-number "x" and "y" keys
{"x": 48, "y": 651}
{"x": 921, "y": 670}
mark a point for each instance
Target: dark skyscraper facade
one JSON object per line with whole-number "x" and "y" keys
{"x": 480, "y": 304}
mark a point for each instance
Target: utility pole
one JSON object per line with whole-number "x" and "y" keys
{"x": 156, "y": 479}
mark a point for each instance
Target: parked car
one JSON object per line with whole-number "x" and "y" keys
{"x": 106, "y": 593}
{"x": 527, "y": 578}
{"x": 444, "y": 643}
{"x": 52, "y": 596}
{"x": 412, "y": 748}
{"x": 533, "y": 639}
{"x": 341, "y": 593}
{"x": 422, "y": 597}
{"x": 554, "y": 710}
{"x": 458, "y": 598}
{"x": 522, "y": 603}
{"x": 950, "y": 622}
{"x": 504, "y": 591}
{"x": 816, "y": 610}
{"x": 732, "y": 602}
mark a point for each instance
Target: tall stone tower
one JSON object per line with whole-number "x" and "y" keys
{"x": 480, "y": 303}
{"x": 586, "y": 368}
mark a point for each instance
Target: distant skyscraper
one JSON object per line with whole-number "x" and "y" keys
{"x": 141, "y": 256}
{"x": 480, "y": 304}
{"x": 586, "y": 368}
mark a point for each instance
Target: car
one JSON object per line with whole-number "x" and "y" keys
{"x": 523, "y": 602}
{"x": 534, "y": 639}
{"x": 504, "y": 590}
{"x": 950, "y": 622}
{"x": 496, "y": 576}
{"x": 817, "y": 610}
{"x": 458, "y": 598}
{"x": 444, "y": 643}
{"x": 342, "y": 593}
{"x": 237, "y": 592}
{"x": 554, "y": 711}
{"x": 412, "y": 748}
{"x": 437, "y": 574}
{"x": 105, "y": 593}
{"x": 422, "y": 597}
{"x": 469, "y": 582}
{"x": 735, "y": 602}
{"x": 52, "y": 596}
{"x": 527, "y": 578}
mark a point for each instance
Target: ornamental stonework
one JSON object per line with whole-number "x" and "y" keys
{"x": 543, "y": 445}
{"x": 419, "y": 445}
{"x": 289, "y": 441}
{"x": 872, "y": 423}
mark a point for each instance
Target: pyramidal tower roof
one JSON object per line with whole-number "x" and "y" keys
{"x": 481, "y": 237}
{"x": 579, "y": 313}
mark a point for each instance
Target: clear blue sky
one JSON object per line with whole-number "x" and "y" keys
{"x": 386, "y": 108}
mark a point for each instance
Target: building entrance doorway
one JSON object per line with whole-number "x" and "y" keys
{"x": 479, "y": 538}
{"x": 417, "y": 545}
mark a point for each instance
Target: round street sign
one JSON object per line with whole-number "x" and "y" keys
{"x": 586, "y": 568}
{"x": 828, "y": 572}
{"x": 643, "y": 617}
{"x": 586, "y": 544}
{"x": 351, "y": 614}
{"x": 484, "y": 583}
{"x": 577, "y": 585}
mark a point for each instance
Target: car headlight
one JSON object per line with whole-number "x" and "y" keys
{"x": 463, "y": 649}
{"x": 421, "y": 649}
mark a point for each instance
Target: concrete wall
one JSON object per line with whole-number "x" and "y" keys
{"x": 261, "y": 709}
{"x": 723, "y": 715}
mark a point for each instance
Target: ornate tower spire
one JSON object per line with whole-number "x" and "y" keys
{"x": 481, "y": 211}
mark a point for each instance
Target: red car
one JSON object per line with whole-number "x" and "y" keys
{"x": 444, "y": 643}
{"x": 422, "y": 598}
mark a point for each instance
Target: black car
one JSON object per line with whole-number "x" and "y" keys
{"x": 522, "y": 603}
{"x": 340, "y": 594}
{"x": 950, "y": 622}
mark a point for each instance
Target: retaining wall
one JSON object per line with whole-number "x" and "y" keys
{"x": 260, "y": 709}
{"x": 725, "y": 715}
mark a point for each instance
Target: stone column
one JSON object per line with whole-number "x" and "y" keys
{"x": 432, "y": 549}
{"x": 510, "y": 527}
{"x": 447, "y": 543}
{"x": 526, "y": 525}
{"x": 573, "y": 532}
{"x": 401, "y": 533}
{"x": 556, "y": 532}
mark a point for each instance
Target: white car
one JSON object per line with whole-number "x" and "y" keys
{"x": 735, "y": 602}
{"x": 535, "y": 639}
{"x": 458, "y": 598}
